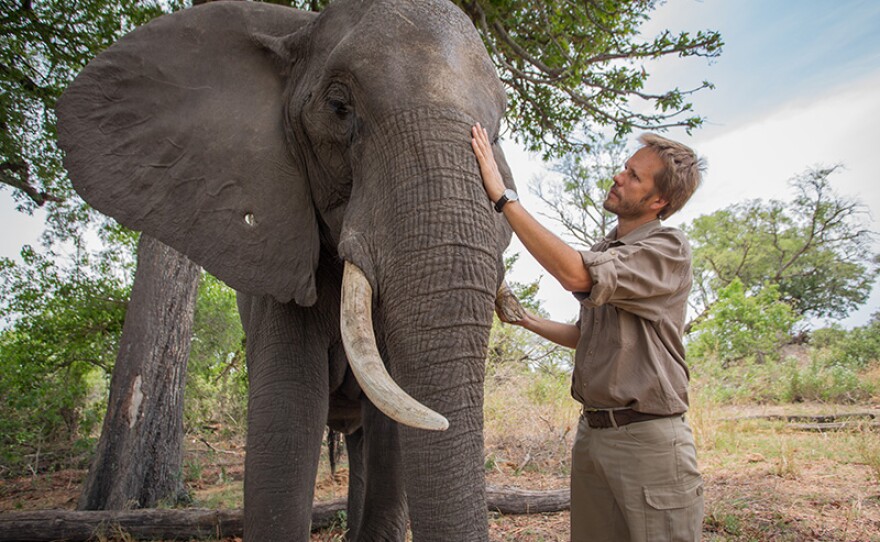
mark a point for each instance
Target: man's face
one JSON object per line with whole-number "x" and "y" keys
{"x": 634, "y": 195}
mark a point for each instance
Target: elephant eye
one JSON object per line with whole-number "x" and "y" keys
{"x": 339, "y": 107}
{"x": 337, "y": 98}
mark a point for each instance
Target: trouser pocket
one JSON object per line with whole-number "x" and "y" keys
{"x": 674, "y": 512}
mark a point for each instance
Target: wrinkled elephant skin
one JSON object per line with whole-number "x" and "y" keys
{"x": 273, "y": 146}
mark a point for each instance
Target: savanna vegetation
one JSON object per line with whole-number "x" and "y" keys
{"x": 784, "y": 407}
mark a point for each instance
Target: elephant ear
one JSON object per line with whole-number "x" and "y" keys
{"x": 178, "y": 130}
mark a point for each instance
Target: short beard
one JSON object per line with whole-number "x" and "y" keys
{"x": 625, "y": 209}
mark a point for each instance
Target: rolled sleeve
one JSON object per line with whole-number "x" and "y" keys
{"x": 600, "y": 266}
{"x": 639, "y": 277}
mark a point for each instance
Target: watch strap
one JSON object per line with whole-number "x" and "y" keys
{"x": 508, "y": 195}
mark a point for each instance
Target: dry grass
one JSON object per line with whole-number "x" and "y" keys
{"x": 765, "y": 480}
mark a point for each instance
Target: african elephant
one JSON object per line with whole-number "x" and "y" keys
{"x": 312, "y": 162}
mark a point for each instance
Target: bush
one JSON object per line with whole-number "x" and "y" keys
{"x": 831, "y": 383}
{"x": 855, "y": 348}
{"x": 216, "y": 384}
{"x": 740, "y": 325}
{"x": 59, "y": 344}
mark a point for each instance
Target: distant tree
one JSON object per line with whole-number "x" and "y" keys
{"x": 575, "y": 200}
{"x": 739, "y": 325}
{"x": 61, "y": 334}
{"x": 814, "y": 248}
{"x": 216, "y": 385}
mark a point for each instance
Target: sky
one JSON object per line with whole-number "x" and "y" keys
{"x": 797, "y": 85}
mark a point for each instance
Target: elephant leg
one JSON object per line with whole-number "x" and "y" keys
{"x": 287, "y": 411}
{"x": 384, "y": 505}
{"x": 354, "y": 445}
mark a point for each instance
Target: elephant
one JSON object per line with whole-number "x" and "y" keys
{"x": 320, "y": 165}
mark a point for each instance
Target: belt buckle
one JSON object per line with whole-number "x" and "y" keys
{"x": 608, "y": 412}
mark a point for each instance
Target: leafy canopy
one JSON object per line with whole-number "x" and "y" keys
{"x": 573, "y": 68}
{"x": 740, "y": 325}
{"x": 815, "y": 248}
{"x": 43, "y": 45}
{"x": 60, "y": 337}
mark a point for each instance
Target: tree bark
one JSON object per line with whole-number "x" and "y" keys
{"x": 140, "y": 452}
{"x": 72, "y": 526}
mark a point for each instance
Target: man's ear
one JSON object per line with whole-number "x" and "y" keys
{"x": 658, "y": 204}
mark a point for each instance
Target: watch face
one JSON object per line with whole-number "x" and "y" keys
{"x": 511, "y": 195}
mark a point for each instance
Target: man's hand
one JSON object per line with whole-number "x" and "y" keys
{"x": 492, "y": 180}
{"x": 508, "y": 307}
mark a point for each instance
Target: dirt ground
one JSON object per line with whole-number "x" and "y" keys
{"x": 803, "y": 493}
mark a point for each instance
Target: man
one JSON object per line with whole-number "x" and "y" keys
{"x": 634, "y": 474}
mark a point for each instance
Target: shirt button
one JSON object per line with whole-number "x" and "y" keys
{"x": 613, "y": 252}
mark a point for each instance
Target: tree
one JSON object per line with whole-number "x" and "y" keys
{"x": 43, "y": 44}
{"x": 815, "y": 249}
{"x": 572, "y": 68}
{"x": 62, "y": 334}
{"x": 140, "y": 454}
{"x": 740, "y": 325}
{"x": 576, "y": 199}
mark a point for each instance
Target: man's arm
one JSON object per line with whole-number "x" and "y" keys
{"x": 562, "y": 334}
{"x": 554, "y": 255}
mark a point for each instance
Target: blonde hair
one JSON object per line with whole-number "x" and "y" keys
{"x": 681, "y": 175}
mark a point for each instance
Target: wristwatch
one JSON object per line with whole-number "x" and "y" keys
{"x": 508, "y": 195}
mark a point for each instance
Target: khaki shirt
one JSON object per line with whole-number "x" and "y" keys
{"x": 630, "y": 353}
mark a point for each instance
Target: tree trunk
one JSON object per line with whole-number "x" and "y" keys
{"x": 140, "y": 453}
{"x": 47, "y": 525}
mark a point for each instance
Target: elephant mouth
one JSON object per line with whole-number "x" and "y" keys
{"x": 356, "y": 323}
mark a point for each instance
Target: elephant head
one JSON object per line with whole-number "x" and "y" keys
{"x": 269, "y": 145}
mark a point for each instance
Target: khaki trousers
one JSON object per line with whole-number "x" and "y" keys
{"x": 637, "y": 483}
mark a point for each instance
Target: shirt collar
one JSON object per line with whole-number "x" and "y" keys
{"x": 634, "y": 236}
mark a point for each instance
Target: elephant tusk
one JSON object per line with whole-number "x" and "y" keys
{"x": 356, "y": 322}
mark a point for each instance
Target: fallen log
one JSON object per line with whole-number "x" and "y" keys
{"x": 185, "y": 524}
{"x": 835, "y": 426}
{"x": 815, "y": 418}
{"x": 521, "y": 501}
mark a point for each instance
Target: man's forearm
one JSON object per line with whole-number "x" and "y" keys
{"x": 562, "y": 334}
{"x": 559, "y": 259}
{"x": 551, "y": 252}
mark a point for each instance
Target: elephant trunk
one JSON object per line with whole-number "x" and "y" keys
{"x": 420, "y": 228}
{"x": 432, "y": 260}
{"x": 356, "y": 323}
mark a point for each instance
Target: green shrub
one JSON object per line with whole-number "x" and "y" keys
{"x": 740, "y": 325}
{"x": 822, "y": 380}
{"x": 854, "y": 348}
{"x": 216, "y": 385}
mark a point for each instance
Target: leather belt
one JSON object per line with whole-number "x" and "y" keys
{"x": 603, "y": 419}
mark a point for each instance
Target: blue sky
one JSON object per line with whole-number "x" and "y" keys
{"x": 798, "y": 85}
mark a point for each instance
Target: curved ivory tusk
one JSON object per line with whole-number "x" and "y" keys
{"x": 356, "y": 322}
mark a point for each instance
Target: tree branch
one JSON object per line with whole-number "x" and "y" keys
{"x": 17, "y": 175}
